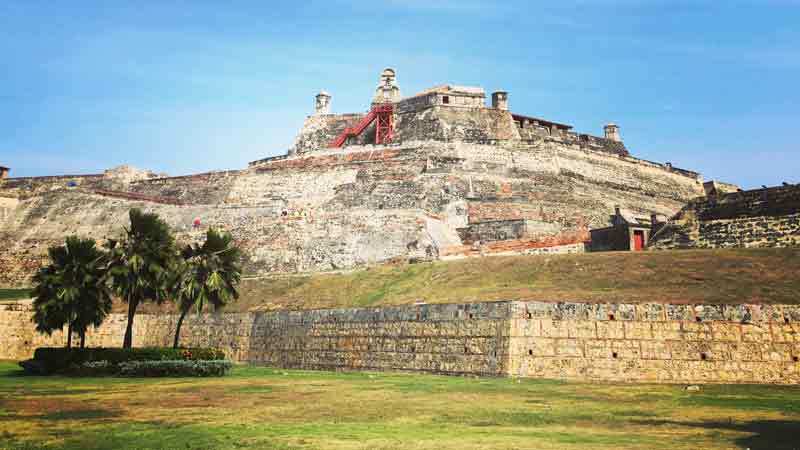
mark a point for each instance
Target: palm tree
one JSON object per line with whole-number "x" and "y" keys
{"x": 71, "y": 289}
{"x": 141, "y": 265}
{"x": 210, "y": 273}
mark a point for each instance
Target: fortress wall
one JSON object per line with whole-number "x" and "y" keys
{"x": 429, "y": 338}
{"x": 655, "y": 343}
{"x": 204, "y": 188}
{"x": 320, "y": 130}
{"x": 756, "y": 218}
{"x": 342, "y": 208}
{"x": 25, "y": 187}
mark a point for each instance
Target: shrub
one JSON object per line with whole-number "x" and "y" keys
{"x": 178, "y": 368}
{"x": 96, "y": 368}
{"x": 33, "y": 367}
{"x": 53, "y": 360}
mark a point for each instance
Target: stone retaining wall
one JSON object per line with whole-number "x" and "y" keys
{"x": 756, "y": 218}
{"x": 577, "y": 341}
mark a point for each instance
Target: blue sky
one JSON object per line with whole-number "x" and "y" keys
{"x": 190, "y": 86}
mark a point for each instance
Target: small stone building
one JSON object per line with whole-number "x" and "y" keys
{"x": 625, "y": 233}
{"x": 4, "y": 172}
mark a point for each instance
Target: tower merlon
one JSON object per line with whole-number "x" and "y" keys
{"x": 500, "y": 100}
{"x": 323, "y": 103}
{"x": 612, "y": 132}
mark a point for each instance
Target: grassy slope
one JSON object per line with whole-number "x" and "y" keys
{"x": 263, "y": 408}
{"x": 711, "y": 276}
{"x": 690, "y": 276}
{"x": 14, "y": 294}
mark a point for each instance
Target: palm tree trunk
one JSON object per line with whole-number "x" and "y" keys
{"x": 83, "y": 339}
{"x": 128, "y": 341}
{"x": 69, "y": 335}
{"x": 178, "y": 329}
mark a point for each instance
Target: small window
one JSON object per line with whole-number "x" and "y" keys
{"x": 446, "y": 99}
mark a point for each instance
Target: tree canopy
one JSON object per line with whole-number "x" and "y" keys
{"x": 142, "y": 265}
{"x": 71, "y": 289}
{"x": 210, "y": 274}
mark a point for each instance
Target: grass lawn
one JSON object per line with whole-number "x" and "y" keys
{"x": 261, "y": 408}
{"x": 14, "y": 294}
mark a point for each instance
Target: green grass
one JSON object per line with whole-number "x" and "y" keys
{"x": 14, "y": 294}
{"x": 702, "y": 276}
{"x": 262, "y": 408}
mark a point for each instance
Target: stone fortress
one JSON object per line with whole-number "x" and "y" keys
{"x": 437, "y": 175}
{"x": 453, "y": 177}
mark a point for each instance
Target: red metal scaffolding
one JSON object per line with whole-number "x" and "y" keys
{"x": 382, "y": 114}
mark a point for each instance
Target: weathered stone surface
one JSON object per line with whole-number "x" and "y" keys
{"x": 496, "y": 339}
{"x": 757, "y": 218}
{"x": 342, "y": 208}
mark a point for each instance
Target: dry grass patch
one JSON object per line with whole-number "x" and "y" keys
{"x": 290, "y": 409}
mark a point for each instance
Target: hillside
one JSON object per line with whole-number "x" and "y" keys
{"x": 687, "y": 276}
{"x": 679, "y": 276}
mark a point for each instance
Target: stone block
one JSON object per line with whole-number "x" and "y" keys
{"x": 756, "y": 332}
{"x": 610, "y": 330}
{"x": 666, "y": 330}
{"x": 569, "y": 347}
{"x": 535, "y": 346}
{"x": 783, "y": 332}
{"x": 655, "y": 350}
{"x": 597, "y": 349}
{"x": 626, "y": 349}
{"x": 582, "y": 329}
{"x": 638, "y": 330}
{"x": 555, "y": 328}
{"x": 726, "y": 331}
{"x": 526, "y": 327}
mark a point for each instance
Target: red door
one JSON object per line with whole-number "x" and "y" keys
{"x": 638, "y": 240}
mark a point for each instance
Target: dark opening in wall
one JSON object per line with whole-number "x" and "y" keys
{"x": 529, "y": 315}
{"x": 611, "y": 317}
{"x": 445, "y": 100}
{"x": 530, "y": 352}
{"x": 470, "y": 315}
{"x": 614, "y": 355}
{"x": 698, "y": 319}
{"x": 466, "y": 350}
{"x": 785, "y": 320}
{"x": 703, "y": 356}
{"x": 795, "y": 358}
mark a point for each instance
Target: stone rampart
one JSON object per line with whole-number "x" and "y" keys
{"x": 341, "y": 208}
{"x": 757, "y": 218}
{"x": 659, "y": 343}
